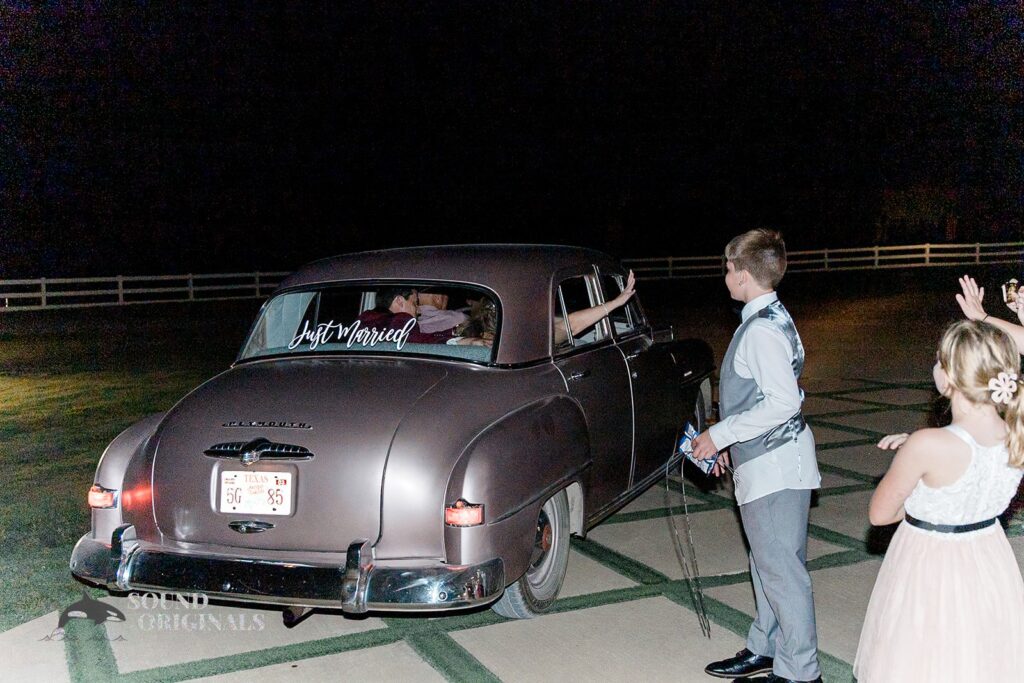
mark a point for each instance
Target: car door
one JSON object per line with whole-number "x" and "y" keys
{"x": 596, "y": 377}
{"x": 657, "y": 403}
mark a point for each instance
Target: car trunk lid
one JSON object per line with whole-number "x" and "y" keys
{"x": 316, "y": 430}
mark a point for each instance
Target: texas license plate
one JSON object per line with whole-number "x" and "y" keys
{"x": 263, "y": 493}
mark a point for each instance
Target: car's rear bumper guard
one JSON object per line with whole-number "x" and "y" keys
{"x": 361, "y": 585}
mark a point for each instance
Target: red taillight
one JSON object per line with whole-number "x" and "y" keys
{"x": 100, "y": 497}
{"x": 136, "y": 496}
{"x": 462, "y": 513}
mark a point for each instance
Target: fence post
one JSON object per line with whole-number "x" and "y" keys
{"x": 257, "y": 284}
{"x": 826, "y": 259}
{"x": 977, "y": 252}
{"x": 120, "y": 289}
{"x": 191, "y": 289}
{"x": 42, "y": 291}
{"x": 876, "y": 256}
{"x": 928, "y": 254}
{"x": 670, "y": 267}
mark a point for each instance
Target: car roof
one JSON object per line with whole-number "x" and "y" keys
{"x": 522, "y": 275}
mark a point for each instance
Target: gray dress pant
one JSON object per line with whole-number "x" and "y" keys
{"x": 776, "y": 529}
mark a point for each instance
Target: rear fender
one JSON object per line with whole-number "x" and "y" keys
{"x": 512, "y": 468}
{"x": 110, "y": 474}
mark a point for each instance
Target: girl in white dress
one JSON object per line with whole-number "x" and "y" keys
{"x": 948, "y": 603}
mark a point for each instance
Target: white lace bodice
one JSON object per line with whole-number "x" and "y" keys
{"x": 983, "y": 491}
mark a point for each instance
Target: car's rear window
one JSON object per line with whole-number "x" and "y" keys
{"x": 426, "y": 318}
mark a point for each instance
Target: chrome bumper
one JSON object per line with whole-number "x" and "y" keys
{"x": 360, "y": 585}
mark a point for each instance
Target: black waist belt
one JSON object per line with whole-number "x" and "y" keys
{"x": 949, "y": 528}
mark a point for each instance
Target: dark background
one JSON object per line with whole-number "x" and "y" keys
{"x": 176, "y": 137}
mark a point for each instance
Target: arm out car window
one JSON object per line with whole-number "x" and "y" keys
{"x": 623, "y": 319}
{"x": 572, "y": 295}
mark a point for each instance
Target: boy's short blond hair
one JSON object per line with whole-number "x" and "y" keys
{"x": 760, "y": 252}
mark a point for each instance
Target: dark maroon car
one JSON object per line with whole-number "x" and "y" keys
{"x": 353, "y": 459}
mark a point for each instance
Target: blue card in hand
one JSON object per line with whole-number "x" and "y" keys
{"x": 686, "y": 447}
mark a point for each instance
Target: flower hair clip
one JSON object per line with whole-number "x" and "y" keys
{"x": 1003, "y": 386}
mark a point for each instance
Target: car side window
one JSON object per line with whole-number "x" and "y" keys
{"x": 628, "y": 318}
{"x": 573, "y": 294}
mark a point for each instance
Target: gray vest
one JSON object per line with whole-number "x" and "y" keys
{"x": 738, "y": 394}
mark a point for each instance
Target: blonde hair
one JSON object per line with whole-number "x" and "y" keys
{"x": 760, "y": 252}
{"x": 973, "y": 352}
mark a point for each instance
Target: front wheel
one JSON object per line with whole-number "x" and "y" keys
{"x": 536, "y": 590}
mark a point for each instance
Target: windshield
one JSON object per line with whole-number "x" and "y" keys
{"x": 408, "y": 318}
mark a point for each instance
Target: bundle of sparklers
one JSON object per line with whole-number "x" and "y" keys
{"x": 687, "y": 554}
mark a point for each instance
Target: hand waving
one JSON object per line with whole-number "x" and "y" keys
{"x": 627, "y": 292}
{"x": 1017, "y": 306}
{"x": 970, "y": 299}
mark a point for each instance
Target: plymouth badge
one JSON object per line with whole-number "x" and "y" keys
{"x": 251, "y": 451}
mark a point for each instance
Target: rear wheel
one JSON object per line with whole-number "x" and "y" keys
{"x": 700, "y": 423}
{"x": 700, "y": 414}
{"x": 700, "y": 417}
{"x": 536, "y": 590}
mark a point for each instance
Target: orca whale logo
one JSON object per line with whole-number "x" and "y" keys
{"x": 87, "y": 608}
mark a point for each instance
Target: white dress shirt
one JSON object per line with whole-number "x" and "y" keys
{"x": 765, "y": 355}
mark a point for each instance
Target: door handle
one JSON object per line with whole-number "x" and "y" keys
{"x": 579, "y": 374}
{"x": 633, "y": 355}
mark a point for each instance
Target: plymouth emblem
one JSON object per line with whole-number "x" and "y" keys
{"x": 251, "y": 451}
{"x": 278, "y": 424}
{"x": 248, "y": 526}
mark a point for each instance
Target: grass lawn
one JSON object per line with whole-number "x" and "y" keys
{"x": 70, "y": 381}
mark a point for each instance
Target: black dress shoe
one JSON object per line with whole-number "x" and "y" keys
{"x": 772, "y": 678}
{"x": 745, "y": 663}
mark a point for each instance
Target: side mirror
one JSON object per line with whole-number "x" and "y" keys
{"x": 663, "y": 334}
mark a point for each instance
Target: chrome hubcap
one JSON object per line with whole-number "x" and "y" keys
{"x": 542, "y": 543}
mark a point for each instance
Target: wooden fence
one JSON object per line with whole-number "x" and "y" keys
{"x": 856, "y": 258}
{"x": 46, "y": 293}
{"x": 119, "y": 290}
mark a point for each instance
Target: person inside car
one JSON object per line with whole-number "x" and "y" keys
{"x": 432, "y": 312}
{"x": 396, "y": 307}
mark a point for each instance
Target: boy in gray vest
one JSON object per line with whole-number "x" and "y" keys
{"x": 772, "y": 452}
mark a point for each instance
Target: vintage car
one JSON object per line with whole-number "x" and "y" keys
{"x": 338, "y": 464}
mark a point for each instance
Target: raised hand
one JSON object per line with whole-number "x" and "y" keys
{"x": 970, "y": 299}
{"x": 1017, "y": 306}
{"x": 627, "y": 292}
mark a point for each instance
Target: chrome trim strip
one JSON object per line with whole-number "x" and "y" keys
{"x": 262, "y": 448}
{"x": 250, "y": 526}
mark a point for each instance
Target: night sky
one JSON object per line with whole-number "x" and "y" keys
{"x": 151, "y": 138}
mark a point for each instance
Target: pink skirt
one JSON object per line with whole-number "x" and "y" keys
{"x": 945, "y": 607}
